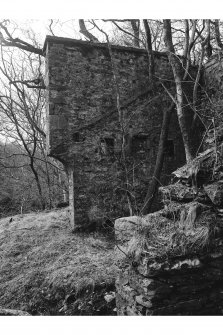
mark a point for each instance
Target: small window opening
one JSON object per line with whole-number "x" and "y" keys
{"x": 169, "y": 148}
{"x": 76, "y": 137}
{"x": 107, "y": 145}
{"x": 139, "y": 144}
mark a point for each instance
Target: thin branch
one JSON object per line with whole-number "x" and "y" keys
{"x": 135, "y": 27}
{"x": 27, "y": 83}
{"x": 9, "y": 41}
{"x": 123, "y": 30}
{"x": 217, "y": 34}
{"x": 149, "y": 49}
{"x": 50, "y": 27}
{"x": 168, "y": 92}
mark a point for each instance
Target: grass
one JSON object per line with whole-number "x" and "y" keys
{"x": 42, "y": 262}
{"x": 159, "y": 237}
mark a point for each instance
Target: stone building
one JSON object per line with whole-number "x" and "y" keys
{"x": 109, "y": 156}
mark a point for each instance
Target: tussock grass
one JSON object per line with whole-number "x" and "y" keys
{"x": 160, "y": 237}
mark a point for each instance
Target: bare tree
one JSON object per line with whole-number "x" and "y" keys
{"x": 149, "y": 49}
{"x": 23, "y": 110}
{"x": 217, "y": 35}
{"x": 177, "y": 73}
{"x": 153, "y": 185}
{"x": 86, "y": 32}
{"x": 8, "y": 40}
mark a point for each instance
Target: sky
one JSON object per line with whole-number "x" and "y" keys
{"x": 61, "y": 27}
{"x": 66, "y": 9}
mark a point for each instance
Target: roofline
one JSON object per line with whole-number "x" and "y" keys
{"x": 74, "y": 42}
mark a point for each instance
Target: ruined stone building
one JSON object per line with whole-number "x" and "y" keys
{"x": 170, "y": 261}
{"x": 109, "y": 158}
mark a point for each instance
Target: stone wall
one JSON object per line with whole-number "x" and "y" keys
{"x": 193, "y": 286}
{"x": 84, "y": 131}
{"x": 213, "y": 83}
{"x": 171, "y": 261}
{"x": 213, "y": 73}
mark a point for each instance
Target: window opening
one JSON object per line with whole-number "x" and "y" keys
{"x": 76, "y": 137}
{"x": 139, "y": 144}
{"x": 107, "y": 145}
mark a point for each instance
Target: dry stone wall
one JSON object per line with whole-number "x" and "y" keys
{"x": 171, "y": 261}
{"x": 192, "y": 286}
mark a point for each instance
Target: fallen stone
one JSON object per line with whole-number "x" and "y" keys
{"x": 109, "y": 297}
{"x": 178, "y": 192}
{"x": 198, "y": 170}
{"x": 215, "y": 193}
{"x": 174, "y": 210}
{"x": 13, "y": 312}
{"x": 142, "y": 301}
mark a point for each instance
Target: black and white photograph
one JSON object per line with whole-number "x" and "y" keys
{"x": 111, "y": 167}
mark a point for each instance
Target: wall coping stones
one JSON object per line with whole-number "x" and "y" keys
{"x": 74, "y": 42}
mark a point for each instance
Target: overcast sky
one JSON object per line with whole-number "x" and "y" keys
{"x": 150, "y": 9}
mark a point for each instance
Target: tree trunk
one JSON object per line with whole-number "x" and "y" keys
{"x": 86, "y": 33}
{"x": 217, "y": 34}
{"x": 71, "y": 196}
{"x": 176, "y": 68}
{"x": 37, "y": 183}
{"x": 187, "y": 36}
{"x": 189, "y": 43}
{"x": 149, "y": 49}
{"x": 204, "y": 43}
{"x": 135, "y": 27}
{"x": 152, "y": 190}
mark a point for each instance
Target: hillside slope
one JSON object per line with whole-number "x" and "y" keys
{"x": 47, "y": 270}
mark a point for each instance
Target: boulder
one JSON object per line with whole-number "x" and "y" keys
{"x": 124, "y": 231}
{"x": 125, "y": 228}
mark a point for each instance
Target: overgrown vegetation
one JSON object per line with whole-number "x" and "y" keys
{"x": 191, "y": 221}
{"x": 160, "y": 238}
